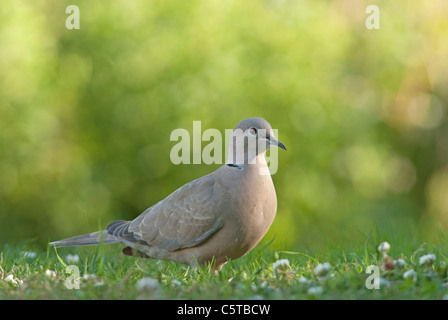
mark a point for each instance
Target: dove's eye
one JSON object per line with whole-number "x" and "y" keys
{"x": 253, "y": 131}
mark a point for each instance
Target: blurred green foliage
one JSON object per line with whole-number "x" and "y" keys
{"x": 86, "y": 115}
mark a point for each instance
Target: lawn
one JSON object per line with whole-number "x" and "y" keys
{"x": 418, "y": 272}
{"x": 88, "y": 120}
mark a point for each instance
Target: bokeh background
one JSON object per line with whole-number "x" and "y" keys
{"x": 86, "y": 115}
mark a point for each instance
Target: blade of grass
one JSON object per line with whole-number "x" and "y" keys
{"x": 59, "y": 258}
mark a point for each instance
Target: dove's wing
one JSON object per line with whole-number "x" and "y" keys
{"x": 184, "y": 219}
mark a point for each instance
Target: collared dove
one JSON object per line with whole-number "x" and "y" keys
{"x": 213, "y": 219}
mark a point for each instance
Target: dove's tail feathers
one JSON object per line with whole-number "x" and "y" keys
{"x": 88, "y": 239}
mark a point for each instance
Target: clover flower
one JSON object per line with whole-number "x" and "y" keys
{"x": 50, "y": 273}
{"x": 322, "y": 270}
{"x": 427, "y": 259}
{"x": 176, "y": 283}
{"x": 304, "y": 280}
{"x": 148, "y": 284}
{"x": 399, "y": 263}
{"x": 88, "y": 276}
{"x": 410, "y": 274}
{"x": 384, "y": 248}
{"x": 315, "y": 291}
{"x": 281, "y": 265}
{"x": 10, "y": 278}
{"x": 29, "y": 254}
{"x": 72, "y": 258}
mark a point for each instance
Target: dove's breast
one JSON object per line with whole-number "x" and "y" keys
{"x": 250, "y": 207}
{"x": 247, "y": 205}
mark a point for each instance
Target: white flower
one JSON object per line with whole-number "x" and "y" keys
{"x": 29, "y": 254}
{"x": 384, "y": 282}
{"x": 72, "y": 258}
{"x": 322, "y": 270}
{"x": 427, "y": 259}
{"x": 304, "y": 280}
{"x": 50, "y": 273}
{"x": 384, "y": 247}
{"x": 176, "y": 283}
{"x": 399, "y": 263}
{"x": 280, "y": 265}
{"x": 148, "y": 283}
{"x": 315, "y": 291}
{"x": 87, "y": 276}
{"x": 10, "y": 278}
{"x": 410, "y": 274}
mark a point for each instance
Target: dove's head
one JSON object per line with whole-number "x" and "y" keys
{"x": 250, "y": 138}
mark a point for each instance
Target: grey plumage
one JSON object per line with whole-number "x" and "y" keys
{"x": 218, "y": 217}
{"x": 87, "y": 239}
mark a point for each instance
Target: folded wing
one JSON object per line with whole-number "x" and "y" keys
{"x": 184, "y": 219}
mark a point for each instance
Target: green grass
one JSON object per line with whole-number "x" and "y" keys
{"x": 115, "y": 276}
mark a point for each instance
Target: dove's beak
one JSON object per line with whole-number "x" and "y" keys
{"x": 273, "y": 141}
{"x": 281, "y": 145}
